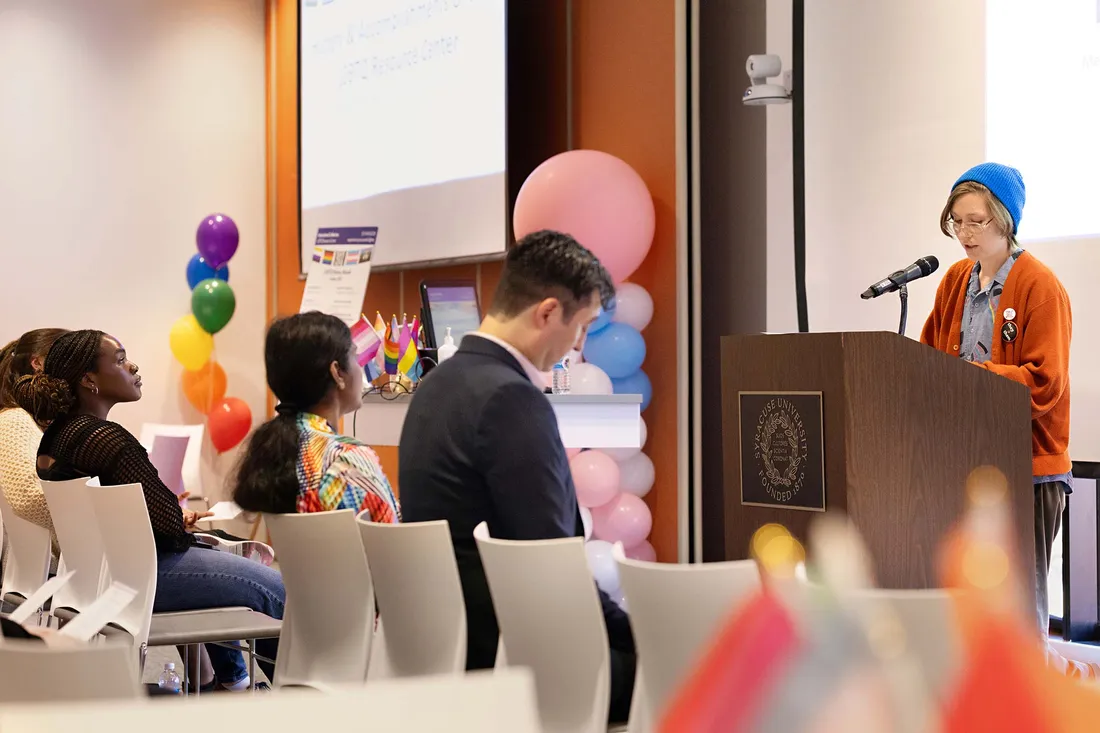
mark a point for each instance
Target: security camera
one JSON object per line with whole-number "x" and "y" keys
{"x": 760, "y": 68}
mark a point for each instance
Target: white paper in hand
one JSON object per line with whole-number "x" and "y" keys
{"x": 223, "y": 511}
{"x": 106, "y": 608}
{"x": 38, "y": 599}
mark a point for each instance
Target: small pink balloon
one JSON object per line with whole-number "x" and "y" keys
{"x": 596, "y": 478}
{"x": 572, "y": 453}
{"x": 625, "y": 519}
{"x": 642, "y": 551}
{"x": 595, "y": 197}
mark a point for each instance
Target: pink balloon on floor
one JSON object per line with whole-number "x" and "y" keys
{"x": 642, "y": 551}
{"x": 625, "y": 519}
{"x": 595, "y": 197}
{"x": 596, "y": 478}
{"x": 572, "y": 453}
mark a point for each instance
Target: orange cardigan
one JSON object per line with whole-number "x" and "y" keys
{"x": 1037, "y": 358}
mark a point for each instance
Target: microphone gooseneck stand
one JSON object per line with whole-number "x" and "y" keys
{"x": 903, "y": 293}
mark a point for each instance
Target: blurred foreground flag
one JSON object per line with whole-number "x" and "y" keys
{"x": 1006, "y": 684}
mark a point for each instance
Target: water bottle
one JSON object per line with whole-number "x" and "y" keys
{"x": 560, "y": 377}
{"x": 169, "y": 681}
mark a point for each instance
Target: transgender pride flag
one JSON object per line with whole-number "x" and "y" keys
{"x": 366, "y": 340}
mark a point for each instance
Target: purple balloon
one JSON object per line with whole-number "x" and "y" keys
{"x": 217, "y": 239}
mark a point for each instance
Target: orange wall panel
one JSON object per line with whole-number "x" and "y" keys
{"x": 624, "y": 104}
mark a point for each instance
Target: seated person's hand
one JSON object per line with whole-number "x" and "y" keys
{"x": 190, "y": 517}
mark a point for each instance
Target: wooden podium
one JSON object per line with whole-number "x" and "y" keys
{"x": 872, "y": 425}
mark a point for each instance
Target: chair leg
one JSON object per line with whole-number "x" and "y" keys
{"x": 143, "y": 652}
{"x": 252, "y": 665}
{"x": 186, "y": 670}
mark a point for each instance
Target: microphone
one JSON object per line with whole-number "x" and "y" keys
{"x": 923, "y": 267}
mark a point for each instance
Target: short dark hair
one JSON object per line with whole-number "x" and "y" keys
{"x": 549, "y": 264}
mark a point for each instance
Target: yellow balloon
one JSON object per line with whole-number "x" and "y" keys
{"x": 191, "y": 345}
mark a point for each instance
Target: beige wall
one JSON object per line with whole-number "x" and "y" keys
{"x": 123, "y": 123}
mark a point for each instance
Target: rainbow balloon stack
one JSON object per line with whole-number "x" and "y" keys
{"x": 228, "y": 419}
{"x": 602, "y": 202}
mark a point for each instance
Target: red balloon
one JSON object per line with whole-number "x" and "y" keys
{"x": 229, "y": 423}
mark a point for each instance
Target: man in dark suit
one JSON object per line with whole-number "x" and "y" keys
{"x": 480, "y": 442}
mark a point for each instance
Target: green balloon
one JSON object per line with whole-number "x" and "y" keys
{"x": 213, "y": 303}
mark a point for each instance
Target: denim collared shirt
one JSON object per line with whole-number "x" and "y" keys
{"x": 977, "y": 328}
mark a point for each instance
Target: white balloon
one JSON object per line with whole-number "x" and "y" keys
{"x": 602, "y": 564}
{"x": 620, "y": 598}
{"x": 636, "y": 475}
{"x": 586, "y": 520}
{"x": 621, "y": 454}
{"x": 633, "y": 306}
{"x": 588, "y": 378}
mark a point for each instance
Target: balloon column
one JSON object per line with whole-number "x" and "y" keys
{"x": 603, "y": 203}
{"x": 228, "y": 419}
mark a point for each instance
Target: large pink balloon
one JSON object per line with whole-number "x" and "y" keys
{"x": 642, "y": 551}
{"x": 625, "y": 519}
{"x": 596, "y": 478}
{"x": 595, "y": 197}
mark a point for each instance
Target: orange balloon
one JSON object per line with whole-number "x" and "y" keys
{"x": 205, "y": 387}
{"x": 229, "y": 423}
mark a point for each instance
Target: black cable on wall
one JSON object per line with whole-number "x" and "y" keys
{"x": 798, "y": 142}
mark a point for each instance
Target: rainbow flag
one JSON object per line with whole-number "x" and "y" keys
{"x": 392, "y": 348}
{"x": 406, "y": 363}
{"x": 366, "y": 340}
{"x": 328, "y": 257}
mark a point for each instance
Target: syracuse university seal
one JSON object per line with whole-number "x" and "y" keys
{"x": 780, "y": 449}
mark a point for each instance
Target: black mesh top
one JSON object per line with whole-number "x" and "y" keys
{"x": 83, "y": 445}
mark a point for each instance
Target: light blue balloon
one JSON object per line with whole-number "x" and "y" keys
{"x": 618, "y": 349}
{"x": 636, "y": 383}
{"x": 602, "y": 321}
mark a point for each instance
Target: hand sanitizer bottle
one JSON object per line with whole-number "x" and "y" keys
{"x": 448, "y": 349}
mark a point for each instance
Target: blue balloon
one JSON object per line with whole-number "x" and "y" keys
{"x": 636, "y": 383}
{"x": 198, "y": 270}
{"x": 618, "y": 349}
{"x": 602, "y": 321}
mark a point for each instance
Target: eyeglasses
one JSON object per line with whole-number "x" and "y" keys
{"x": 968, "y": 229}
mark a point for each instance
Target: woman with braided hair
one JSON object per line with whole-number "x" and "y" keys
{"x": 84, "y": 375}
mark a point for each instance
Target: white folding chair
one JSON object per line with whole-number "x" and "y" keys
{"x": 34, "y": 672}
{"x": 932, "y": 636}
{"x": 192, "y": 457}
{"x": 130, "y": 550}
{"x": 81, "y": 545}
{"x": 328, "y": 623}
{"x": 29, "y": 553}
{"x": 675, "y": 612}
{"x": 475, "y": 703}
{"x": 419, "y": 596}
{"x": 551, "y": 620}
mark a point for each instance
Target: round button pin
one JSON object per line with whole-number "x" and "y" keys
{"x": 1010, "y": 314}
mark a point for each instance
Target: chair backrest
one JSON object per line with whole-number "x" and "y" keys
{"x": 503, "y": 702}
{"x": 130, "y": 550}
{"x": 191, "y": 467}
{"x": 328, "y": 623}
{"x": 551, "y": 621}
{"x": 419, "y": 596}
{"x": 70, "y": 504}
{"x": 675, "y": 612}
{"x": 931, "y": 630}
{"x": 29, "y": 553}
{"x": 33, "y": 672}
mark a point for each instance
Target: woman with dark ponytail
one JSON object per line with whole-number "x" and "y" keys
{"x": 84, "y": 375}
{"x": 296, "y": 462}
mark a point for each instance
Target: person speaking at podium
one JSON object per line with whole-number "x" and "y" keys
{"x": 1003, "y": 310}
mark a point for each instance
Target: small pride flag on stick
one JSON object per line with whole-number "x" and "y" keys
{"x": 366, "y": 340}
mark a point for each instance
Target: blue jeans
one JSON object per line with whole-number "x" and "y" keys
{"x": 202, "y": 578}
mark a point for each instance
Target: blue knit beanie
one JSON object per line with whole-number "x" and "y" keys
{"x": 1004, "y": 182}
